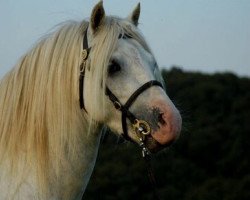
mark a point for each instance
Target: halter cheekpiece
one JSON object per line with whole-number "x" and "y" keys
{"x": 140, "y": 127}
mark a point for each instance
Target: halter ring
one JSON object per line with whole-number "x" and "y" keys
{"x": 141, "y": 128}
{"x": 117, "y": 105}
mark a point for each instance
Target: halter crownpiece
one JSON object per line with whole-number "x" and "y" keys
{"x": 140, "y": 127}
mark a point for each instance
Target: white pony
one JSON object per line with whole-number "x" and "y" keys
{"x": 48, "y": 144}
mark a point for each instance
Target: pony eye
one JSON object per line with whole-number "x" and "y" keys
{"x": 113, "y": 68}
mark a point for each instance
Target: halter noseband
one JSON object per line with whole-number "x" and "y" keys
{"x": 140, "y": 127}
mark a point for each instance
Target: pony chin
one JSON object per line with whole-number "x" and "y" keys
{"x": 152, "y": 145}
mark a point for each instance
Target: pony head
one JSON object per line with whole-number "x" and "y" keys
{"x": 45, "y": 138}
{"x": 120, "y": 61}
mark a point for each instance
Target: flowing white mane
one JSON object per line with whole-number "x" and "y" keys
{"x": 41, "y": 125}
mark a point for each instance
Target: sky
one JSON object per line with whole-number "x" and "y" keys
{"x": 198, "y": 35}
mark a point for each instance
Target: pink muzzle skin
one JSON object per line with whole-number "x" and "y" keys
{"x": 169, "y": 123}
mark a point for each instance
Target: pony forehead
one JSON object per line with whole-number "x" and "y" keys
{"x": 122, "y": 28}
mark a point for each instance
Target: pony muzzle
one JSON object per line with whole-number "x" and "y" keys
{"x": 169, "y": 125}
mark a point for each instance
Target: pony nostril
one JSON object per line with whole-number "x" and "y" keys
{"x": 161, "y": 119}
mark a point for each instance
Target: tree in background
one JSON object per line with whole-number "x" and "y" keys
{"x": 209, "y": 161}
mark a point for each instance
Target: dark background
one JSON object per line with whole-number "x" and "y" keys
{"x": 210, "y": 160}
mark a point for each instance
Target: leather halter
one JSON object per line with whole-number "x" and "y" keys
{"x": 125, "y": 108}
{"x": 140, "y": 127}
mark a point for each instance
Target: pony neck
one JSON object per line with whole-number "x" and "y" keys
{"x": 75, "y": 175}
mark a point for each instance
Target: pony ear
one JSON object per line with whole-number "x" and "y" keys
{"x": 134, "y": 16}
{"x": 97, "y": 16}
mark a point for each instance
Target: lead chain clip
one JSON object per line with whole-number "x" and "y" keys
{"x": 142, "y": 129}
{"x": 145, "y": 152}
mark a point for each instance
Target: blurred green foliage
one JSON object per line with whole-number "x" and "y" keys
{"x": 211, "y": 159}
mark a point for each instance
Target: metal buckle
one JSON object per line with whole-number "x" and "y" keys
{"x": 145, "y": 152}
{"x": 82, "y": 69}
{"x": 84, "y": 54}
